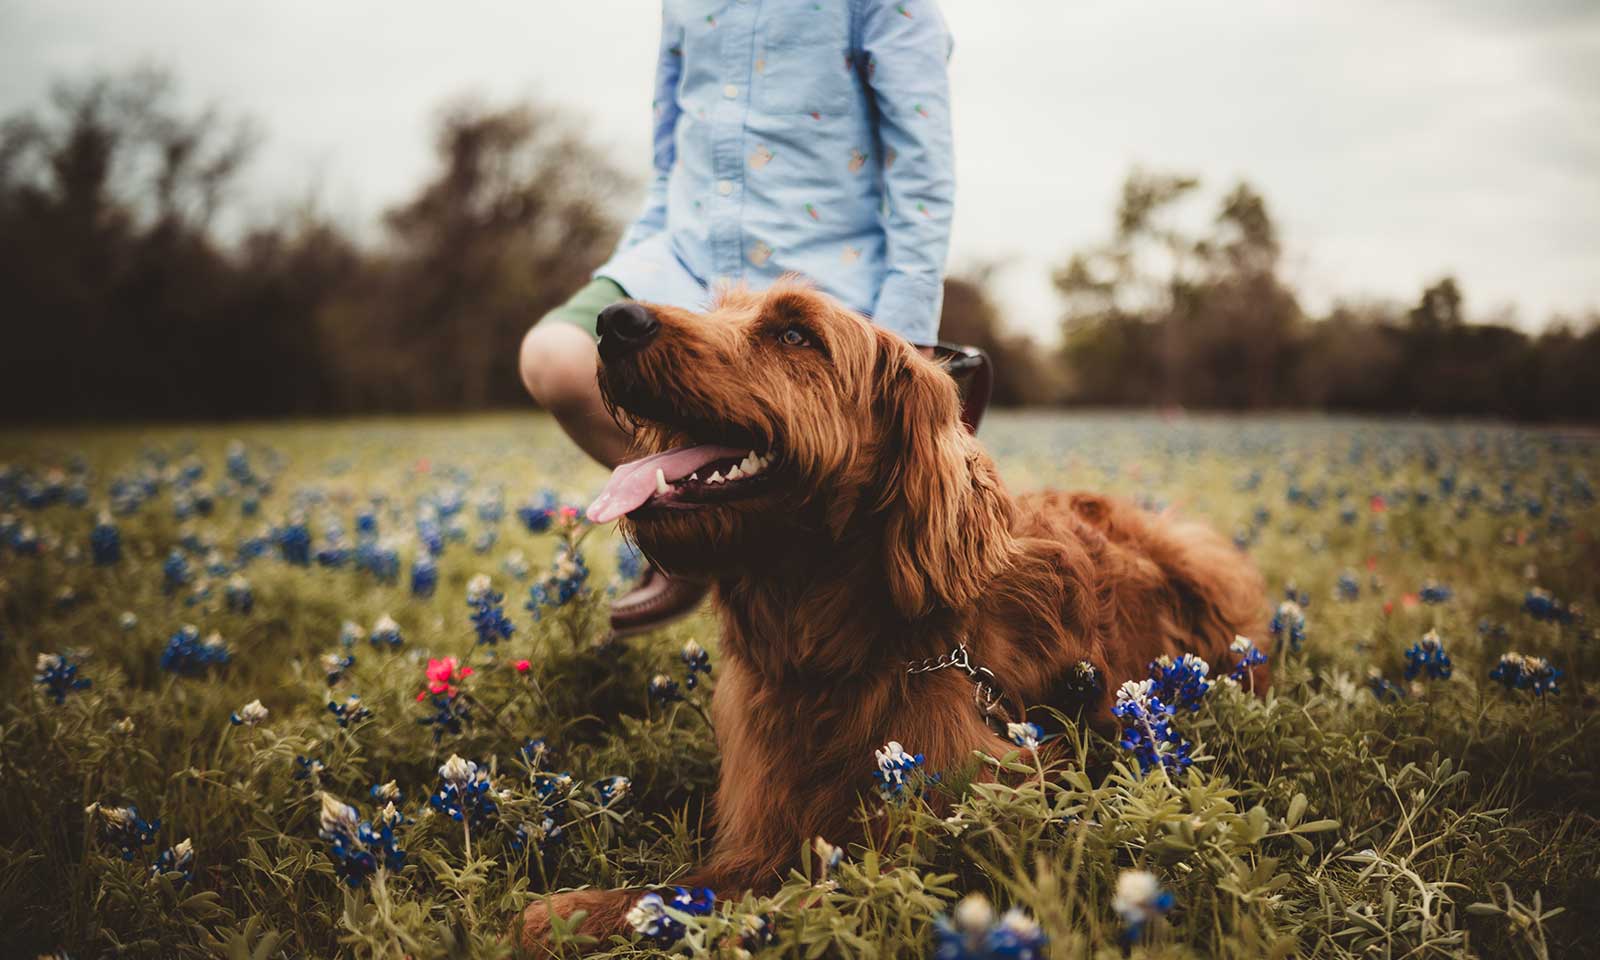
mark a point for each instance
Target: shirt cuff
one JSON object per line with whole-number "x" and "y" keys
{"x": 910, "y": 307}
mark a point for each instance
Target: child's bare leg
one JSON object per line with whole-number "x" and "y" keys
{"x": 558, "y": 364}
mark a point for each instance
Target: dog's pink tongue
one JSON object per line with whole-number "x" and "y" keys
{"x": 633, "y": 483}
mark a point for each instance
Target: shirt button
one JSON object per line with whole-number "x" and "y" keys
{"x": 730, "y": 91}
{"x": 725, "y": 187}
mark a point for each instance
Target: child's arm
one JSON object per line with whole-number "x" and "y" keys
{"x": 665, "y": 106}
{"x": 907, "y": 48}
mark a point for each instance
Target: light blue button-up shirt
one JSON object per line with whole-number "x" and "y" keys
{"x": 805, "y": 136}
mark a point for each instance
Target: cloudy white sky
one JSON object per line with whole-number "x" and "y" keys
{"x": 1396, "y": 140}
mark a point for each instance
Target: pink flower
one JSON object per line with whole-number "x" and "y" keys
{"x": 522, "y": 666}
{"x": 442, "y": 674}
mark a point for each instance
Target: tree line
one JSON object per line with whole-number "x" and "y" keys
{"x": 129, "y": 294}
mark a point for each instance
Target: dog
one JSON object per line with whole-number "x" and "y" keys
{"x": 815, "y": 469}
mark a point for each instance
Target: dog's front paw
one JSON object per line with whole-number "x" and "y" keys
{"x": 579, "y": 918}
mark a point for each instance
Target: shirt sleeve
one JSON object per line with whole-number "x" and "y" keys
{"x": 906, "y": 47}
{"x": 669, "y": 67}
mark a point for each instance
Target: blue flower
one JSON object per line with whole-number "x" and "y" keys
{"x": 350, "y": 634}
{"x": 177, "y": 859}
{"x": 358, "y": 847}
{"x": 664, "y": 689}
{"x": 630, "y": 562}
{"x": 249, "y": 715}
{"x": 488, "y": 617}
{"x": 1382, "y": 688}
{"x": 972, "y": 932}
{"x": 424, "y": 576}
{"x": 1427, "y": 656}
{"x": 1248, "y": 655}
{"x": 1025, "y": 735}
{"x": 612, "y": 789}
{"x": 1516, "y": 671}
{"x": 58, "y": 674}
{"x": 697, "y": 660}
{"x": 334, "y": 665}
{"x": 1289, "y": 622}
{"x": 659, "y": 919}
{"x": 175, "y": 571}
{"x": 1542, "y": 606}
{"x": 105, "y": 541}
{"x": 564, "y": 581}
{"x": 1148, "y": 729}
{"x": 1138, "y": 901}
{"x": 536, "y": 514}
{"x": 387, "y": 792}
{"x": 238, "y": 596}
{"x": 1433, "y": 592}
{"x": 122, "y": 827}
{"x": 348, "y": 712}
{"x": 893, "y": 766}
{"x": 308, "y": 768}
{"x": 448, "y": 713}
{"x": 465, "y": 792}
{"x": 294, "y": 543}
{"x": 386, "y": 631}
{"x": 1181, "y": 682}
{"x": 1349, "y": 587}
{"x": 189, "y": 656}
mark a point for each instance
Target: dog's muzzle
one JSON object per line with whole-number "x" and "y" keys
{"x": 624, "y": 327}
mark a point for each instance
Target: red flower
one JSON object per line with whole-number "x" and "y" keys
{"x": 442, "y": 674}
{"x": 522, "y": 666}
{"x": 1378, "y": 503}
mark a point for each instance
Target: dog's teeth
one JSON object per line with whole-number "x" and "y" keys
{"x": 735, "y": 473}
{"x": 716, "y": 477}
{"x": 695, "y": 475}
{"x": 661, "y": 482}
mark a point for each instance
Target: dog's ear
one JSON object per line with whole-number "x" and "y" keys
{"x": 947, "y": 519}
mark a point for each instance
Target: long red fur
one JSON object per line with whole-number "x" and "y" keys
{"x": 886, "y": 536}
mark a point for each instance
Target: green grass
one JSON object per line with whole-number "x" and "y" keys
{"x": 1457, "y": 821}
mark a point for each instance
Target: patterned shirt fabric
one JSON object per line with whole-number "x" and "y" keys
{"x": 803, "y": 136}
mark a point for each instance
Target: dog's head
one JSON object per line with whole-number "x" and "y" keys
{"x": 783, "y": 422}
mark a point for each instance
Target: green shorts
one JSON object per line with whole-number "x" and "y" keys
{"x": 585, "y": 305}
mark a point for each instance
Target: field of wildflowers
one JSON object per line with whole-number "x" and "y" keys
{"x": 331, "y": 689}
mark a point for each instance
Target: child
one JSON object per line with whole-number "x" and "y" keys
{"x": 790, "y": 136}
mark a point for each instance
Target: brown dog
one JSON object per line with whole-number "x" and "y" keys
{"x": 814, "y": 467}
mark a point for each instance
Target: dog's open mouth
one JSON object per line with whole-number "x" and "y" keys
{"x": 683, "y": 478}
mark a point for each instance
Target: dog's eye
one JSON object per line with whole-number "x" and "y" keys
{"x": 795, "y": 337}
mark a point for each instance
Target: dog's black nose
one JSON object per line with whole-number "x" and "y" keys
{"x": 624, "y": 327}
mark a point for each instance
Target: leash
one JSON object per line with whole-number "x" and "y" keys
{"x": 986, "y": 693}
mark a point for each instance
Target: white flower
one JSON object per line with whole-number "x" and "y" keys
{"x": 1135, "y": 691}
{"x": 214, "y": 640}
{"x": 1138, "y": 896}
{"x": 1020, "y": 923}
{"x": 1430, "y": 640}
{"x": 128, "y": 620}
{"x": 386, "y": 791}
{"x": 1240, "y": 644}
{"x": 973, "y": 914}
{"x": 457, "y": 771}
{"x": 251, "y": 714}
{"x": 478, "y": 586}
{"x": 646, "y": 915}
{"x": 123, "y": 726}
{"x": 692, "y": 649}
{"x": 47, "y": 661}
{"x": 827, "y": 854}
{"x": 183, "y": 851}
{"x": 338, "y": 816}
{"x": 389, "y": 814}
{"x": 1024, "y": 735}
{"x": 385, "y": 625}
{"x": 892, "y": 759}
{"x": 350, "y": 633}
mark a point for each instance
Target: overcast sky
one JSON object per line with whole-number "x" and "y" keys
{"x": 1395, "y": 140}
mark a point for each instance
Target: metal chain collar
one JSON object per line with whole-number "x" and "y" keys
{"x": 986, "y": 693}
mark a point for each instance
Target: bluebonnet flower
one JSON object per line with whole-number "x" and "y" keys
{"x": 128, "y": 621}
{"x": 1248, "y": 656}
{"x": 25, "y": 541}
{"x": 66, "y": 598}
{"x": 659, "y": 919}
{"x": 215, "y": 565}
{"x": 664, "y": 689}
{"x": 1289, "y": 622}
{"x": 58, "y": 674}
{"x": 424, "y": 576}
{"x": 1349, "y": 586}
{"x": 893, "y": 766}
{"x": 1516, "y": 671}
{"x": 1541, "y": 605}
{"x": 1433, "y": 592}
{"x": 177, "y": 859}
{"x": 123, "y": 828}
{"x": 697, "y": 660}
{"x": 430, "y": 536}
{"x": 1382, "y": 688}
{"x": 1148, "y": 729}
{"x": 533, "y": 752}
{"x": 536, "y": 514}
{"x": 238, "y": 596}
{"x": 972, "y": 932}
{"x": 356, "y": 845}
{"x": 334, "y": 665}
{"x": 484, "y": 541}
{"x": 1025, "y": 735}
{"x": 350, "y": 634}
{"x": 386, "y": 631}
{"x": 249, "y": 715}
{"x": 1084, "y": 682}
{"x": 237, "y": 462}
{"x": 105, "y": 541}
{"x": 294, "y": 542}
{"x": 348, "y": 712}
{"x": 334, "y": 553}
{"x": 488, "y": 617}
{"x": 308, "y": 768}
{"x": 492, "y": 506}
{"x": 515, "y": 565}
{"x": 564, "y": 581}
{"x": 175, "y": 571}
{"x": 465, "y": 792}
{"x": 367, "y": 524}
{"x": 381, "y": 560}
{"x": 1427, "y": 656}
{"x": 447, "y": 716}
{"x": 387, "y": 792}
{"x": 1296, "y": 595}
{"x": 630, "y": 562}
{"x": 253, "y": 548}
{"x": 1139, "y": 900}
{"x": 189, "y": 656}
{"x": 612, "y": 789}
{"x": 1182, "y": 682}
